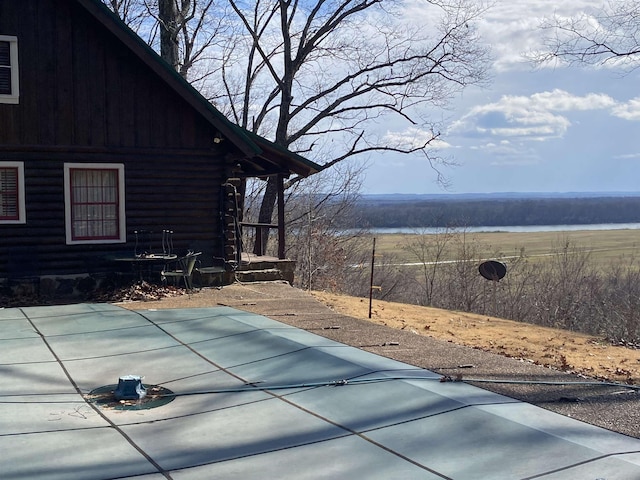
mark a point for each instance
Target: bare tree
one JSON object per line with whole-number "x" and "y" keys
{"x": 606, "y": 36}
{"x": 429, "y": 250}
{"x": 189, "y": 30}
{"x": 331, "y": 79}
{"x": 131, "y": 12}
{"x": 618, "y": 308}
{"x": 316, "y": 77}
{"x": 560, "y": 290}
{"x": 463, "y": 281}
{"x": 316, "y": 239}
{"x": 514, "y": 289}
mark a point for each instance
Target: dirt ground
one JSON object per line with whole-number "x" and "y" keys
{"x": 560, "y": 349}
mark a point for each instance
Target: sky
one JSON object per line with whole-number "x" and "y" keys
{"x": 561, "y": 129}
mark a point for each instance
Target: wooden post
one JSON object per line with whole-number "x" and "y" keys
{"x": 281, "y": 232}
{"x": 373, "y": 260}
{"x": 258, "y": 248}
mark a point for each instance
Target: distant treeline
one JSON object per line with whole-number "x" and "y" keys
{"x": 494, "y": 212}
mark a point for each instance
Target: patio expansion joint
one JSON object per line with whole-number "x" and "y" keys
{"x": 363, "y": 437}
{"x": 578, "y": 464}
{"x": 54, "y": 432}
{"x": 94, "y": 407}
{"x": 118, "y": 329}
{"x": 189, "y": 347}
{"x": 122, "y": 354}
{"x": 299, "y": 407}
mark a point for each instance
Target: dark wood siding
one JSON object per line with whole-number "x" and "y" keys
{"x": 80, "y": 86}
{"x": 179, "y": 195}
{"x": 85, "y": 97}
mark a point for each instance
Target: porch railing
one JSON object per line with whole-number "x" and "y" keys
{"x": 262, "y": 230}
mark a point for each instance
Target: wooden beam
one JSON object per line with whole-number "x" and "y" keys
{"x": 281, "y": 236}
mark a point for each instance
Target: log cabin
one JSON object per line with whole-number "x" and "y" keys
{"x": 102, "y": 140}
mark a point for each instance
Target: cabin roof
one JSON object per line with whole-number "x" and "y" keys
{"x": 262, "y": 157}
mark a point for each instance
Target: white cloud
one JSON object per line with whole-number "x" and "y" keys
{"x": 562, "y": 129}
{"x": 414, "y": 138}
{"x": 627, "y": 156}
{"x": 505, "y": 153}
{"x": 560, "y": 100}
{"x": 628, "y": 111}
{"x": 512, "y": 27}
{"x": 539, "y": 116}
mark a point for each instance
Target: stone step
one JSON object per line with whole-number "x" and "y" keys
{"x": 259, "y": 275}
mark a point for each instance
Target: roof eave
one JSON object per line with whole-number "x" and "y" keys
{"x": 150, "y": 58}
{"x": 251, "y": 145}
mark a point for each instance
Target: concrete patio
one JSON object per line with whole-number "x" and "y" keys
{"x": 256, "y": 398}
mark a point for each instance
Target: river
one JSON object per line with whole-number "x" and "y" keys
{"x": 516, "y": 228}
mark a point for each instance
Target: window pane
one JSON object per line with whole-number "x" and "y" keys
{"x": 110, "y": 220}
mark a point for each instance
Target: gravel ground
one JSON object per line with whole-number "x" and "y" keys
{"x": 613, "y": 407}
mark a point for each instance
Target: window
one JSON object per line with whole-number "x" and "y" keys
{"x": 8, "y": 69}
{"x": 12, "y": 193}
{"x": 94, "y": 203}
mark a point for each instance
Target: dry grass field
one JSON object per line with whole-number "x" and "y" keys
{"x": 605, "y": 246}
{"x": 570, "y": 351}
{"x": 560, "y": 349}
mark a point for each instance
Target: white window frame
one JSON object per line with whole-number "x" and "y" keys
{"x": 67, "y": 202}
{"x": 14, "y": 96}
{"x": 22, "y": 215}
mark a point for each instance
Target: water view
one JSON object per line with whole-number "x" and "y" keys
{"x": 516, "y": 228}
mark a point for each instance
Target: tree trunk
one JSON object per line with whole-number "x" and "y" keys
{"x": 168, "y": 15}
{"x": 266, "y": 210}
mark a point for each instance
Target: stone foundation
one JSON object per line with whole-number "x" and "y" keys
{"x": 54, "y": 289}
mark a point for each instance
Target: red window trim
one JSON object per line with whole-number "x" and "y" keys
{"x": 115, "y": 204}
